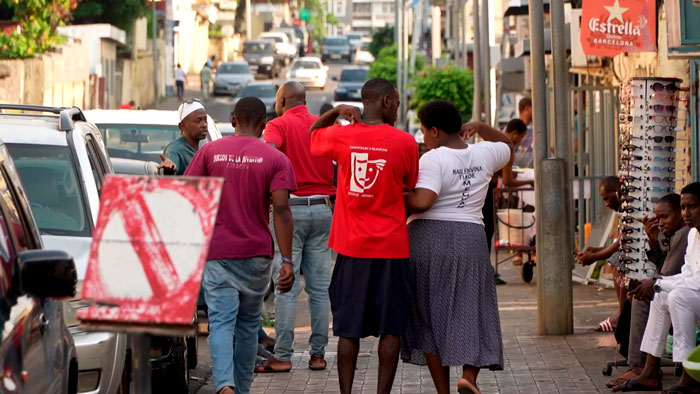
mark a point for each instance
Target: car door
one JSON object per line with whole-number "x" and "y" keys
{"x": 32, "y": 343}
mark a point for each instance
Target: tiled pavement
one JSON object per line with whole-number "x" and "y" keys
{"x": 533, "y": 364}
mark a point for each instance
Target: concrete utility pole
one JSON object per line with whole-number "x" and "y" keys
{"x": 248, "y": 22}
{"x": 486, "y": 60}
{"x": 398, "y": 38}
{"x": 404, "y": 68}
{"x": 476, "y": 61}
{"x": 554, "y": 295}
{"x": 435, "y": 34}
{"x": 154, "y": 33}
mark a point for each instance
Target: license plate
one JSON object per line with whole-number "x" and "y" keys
{"x": 335, "y": 56}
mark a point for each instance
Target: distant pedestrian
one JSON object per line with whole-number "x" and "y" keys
{"x": 523, "y": 152}
{"x": 180, "y": 81}
{"x": 210, "y": 61}
{"x": 325, "y": 107}
{"x": 205, "y": 80}
{"x": 454, "y": 314}
{"x": 239, "y": 263}
{"x": 194, "y": 128}
{"x": 369, "y": 289}
{"x": 311, "y": 208}
{"x": 130, "y": 105}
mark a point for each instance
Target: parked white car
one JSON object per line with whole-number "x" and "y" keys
{"x": 140, "y": 135}
{"x": 62, "y": 163}
{"x": 282, "y": 44}
{"x": 309, "y": 71}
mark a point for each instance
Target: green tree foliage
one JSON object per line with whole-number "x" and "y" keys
{"x": 450, "y": 83}
{"x": 381, "y": 39}
{"x": 38, "y": 20}
{"x": 316, "y": 24}
{"x": 384, "y": 65}
{"x": 120, "y": 13}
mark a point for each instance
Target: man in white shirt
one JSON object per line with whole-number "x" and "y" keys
{"x": 677, "y": 298}
{"x": 180, "y": 81}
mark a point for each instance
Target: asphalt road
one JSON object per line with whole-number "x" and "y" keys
{"x": 220, "y": 107}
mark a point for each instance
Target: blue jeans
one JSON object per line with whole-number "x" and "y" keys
{"x": 234, "y": 291}
{"x": 310, "y": 252}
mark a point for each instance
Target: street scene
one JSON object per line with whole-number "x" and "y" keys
{"x": 338, "y": 196}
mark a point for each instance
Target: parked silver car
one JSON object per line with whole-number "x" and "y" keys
{"x": 231, "y": 77}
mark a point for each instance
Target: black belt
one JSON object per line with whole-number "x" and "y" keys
{"x": 308, "y": 201}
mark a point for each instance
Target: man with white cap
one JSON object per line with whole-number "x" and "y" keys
{"x": 193, "y": 128}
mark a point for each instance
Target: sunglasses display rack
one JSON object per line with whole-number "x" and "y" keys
{"x": 646, "y": 167}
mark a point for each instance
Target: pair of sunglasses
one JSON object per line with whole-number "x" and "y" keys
{"x": 659, "y": 139}
{"x": 662, "y": 118}
{"x": 629, "y": 240}
{"x": 632, "y": 148}
{"x": 629, "y": 249}
{"x": 670, "y": 88}
{"x": 630, "y": 220}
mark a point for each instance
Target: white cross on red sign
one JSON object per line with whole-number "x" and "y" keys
{"x": 149, "y": 248}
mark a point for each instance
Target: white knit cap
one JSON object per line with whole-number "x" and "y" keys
{"x": 187, "y": 108}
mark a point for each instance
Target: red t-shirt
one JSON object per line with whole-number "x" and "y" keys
{"x": 375, "y": 165}
{"x": 290, "y": 132}
{"x": 251, "y": 170}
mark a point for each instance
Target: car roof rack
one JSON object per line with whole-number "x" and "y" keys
{"x": 66, "y": 115}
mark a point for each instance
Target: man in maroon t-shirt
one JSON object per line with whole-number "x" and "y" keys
{"x": 240, "y": 253}
{"x": 312, "y": 224}
{"x": 369, "y": 289}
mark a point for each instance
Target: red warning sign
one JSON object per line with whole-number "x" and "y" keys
{"x": 148, "y": 249}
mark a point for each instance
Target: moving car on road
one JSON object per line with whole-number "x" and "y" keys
{"x": 309, "y": 71}
{"x": 62, "y": 164}
{"x": 354, "y": 39}
{"x": 350, "y": 84}
{"x": 336, "y": 48}
{"x": 265, "y": 91}
{"x": 231, "y": 77}
{"x": 283, "y": 46}
{"x": 262, "y": 58}
{"x": 37, "y": 351}
{"x": 363, "y": 57}
{"x": 141, "y": 135}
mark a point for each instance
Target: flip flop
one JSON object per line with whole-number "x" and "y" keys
{"x": 267, "y": 368}
{"x": 631, "y": 385}
{"x": 605, "y": 326}
{"x": 620, "y": 379}
{"x": 464, "y": 387}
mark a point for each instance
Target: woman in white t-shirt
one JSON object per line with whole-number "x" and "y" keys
{"x": 454, "y": 317}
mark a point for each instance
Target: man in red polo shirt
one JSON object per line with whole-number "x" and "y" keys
{"x": 369, "y": 289}
{"x": 312, "y": 223}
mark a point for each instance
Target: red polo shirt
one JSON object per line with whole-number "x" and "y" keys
{"x": 290, "y": 132}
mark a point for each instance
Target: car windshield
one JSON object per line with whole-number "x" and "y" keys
{"x": 358, "y": 75}
{"x": 257, "y": 47}
{"x": 137, "y": 142}
{"x": 335, "y": 41}
{"x": 272, "y": 38}
{"x": 257, "y": 91}
{"x": 233, "y": 69}
{"x": 305, "y": 64}
{"x": 51, "y": 182}
{"x": 354, "y": 36}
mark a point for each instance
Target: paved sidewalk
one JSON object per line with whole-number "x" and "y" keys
{"x": 533, "y": 364}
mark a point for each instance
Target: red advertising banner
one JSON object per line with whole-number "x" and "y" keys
{"x": 148, "y": 250}
{"x": 611, "y": 27}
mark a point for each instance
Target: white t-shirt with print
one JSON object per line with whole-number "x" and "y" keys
{"x": 460, "y": 178}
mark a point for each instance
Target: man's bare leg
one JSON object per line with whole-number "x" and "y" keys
{"x": 388, "y": 360}
{"x": 348, "y": 348}
{"x": 649, "y": 377}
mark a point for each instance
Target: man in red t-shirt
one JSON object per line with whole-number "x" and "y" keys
{"x": 369, "y": 289}
{"x": 312, "y": 224}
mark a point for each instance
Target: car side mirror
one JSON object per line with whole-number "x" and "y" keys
{"x": 47, "y": 273}
{"x": 334, "y": 78}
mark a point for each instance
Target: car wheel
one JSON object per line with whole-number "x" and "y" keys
{"x": 73, "y": 377}
{"x": 179, "y": 379}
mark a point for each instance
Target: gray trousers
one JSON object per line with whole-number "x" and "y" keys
{"x": 638, "y": 323}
